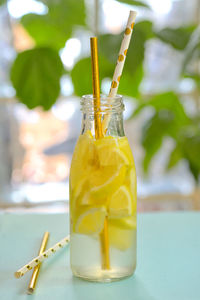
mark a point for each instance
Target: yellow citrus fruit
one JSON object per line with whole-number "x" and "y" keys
{"x": 121, "y": 203}
{"x": 125, "y": 148}
{"x": 109, "y": 155}
{"x": 83, "y": 159}
{"x": 124, "y": 223}
{"x": 90, "y": 220}
{"x": 106, "y": 180}
{"x": 79, "y": 187}
{"x": 120, "y": 238}
{"x": 131, "y": 182}
{"x": 89, "y": 199}
{"x": 107, "y": 141}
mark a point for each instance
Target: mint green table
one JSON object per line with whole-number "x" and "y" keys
{"x": 168, "y": 260}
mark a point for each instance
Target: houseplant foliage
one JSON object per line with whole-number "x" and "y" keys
{"x": 35, "y": 70}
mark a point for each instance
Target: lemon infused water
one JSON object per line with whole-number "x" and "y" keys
{"x": 103, "y": 197}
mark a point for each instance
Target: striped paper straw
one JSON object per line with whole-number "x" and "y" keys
{"x": 36, "y": 270}
{"x": 37, "y": 260}
{"x": 120, "y": 62}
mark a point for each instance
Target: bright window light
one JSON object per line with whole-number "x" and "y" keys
{"x": 18, "y": 8}
{"x": 65, "y": 110}
{"x": 70, "y": 52}
{"x": 115, "y": 15}
{"x": 161, "y": 7}
{"x": 66, "y": 85}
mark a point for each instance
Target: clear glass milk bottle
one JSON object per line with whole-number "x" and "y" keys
{"x": 103, "y": 196}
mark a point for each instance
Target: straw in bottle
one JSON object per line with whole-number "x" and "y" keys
{"x": 120, "y": 63}
{"x": 99, "y": 134}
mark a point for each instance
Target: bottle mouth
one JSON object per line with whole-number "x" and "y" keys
{"x": 107, "y": 104}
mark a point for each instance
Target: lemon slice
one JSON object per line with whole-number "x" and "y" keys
{"x": 91, "y": 221}
{"x": 124, "y": 223}
{"x": 131, "y": 182}
{"x": 80, "y": 187}
{"x": 121, "y": 203}
{"x": 125, "y": 148}
{"x": 109, "y": 155}
{"x": 120, "y": 238}
{"x": 107, "y": 141}
{"x": 106, "y": 180}
{"x": 89, "y": 199}
{"x": 84, "y": 159}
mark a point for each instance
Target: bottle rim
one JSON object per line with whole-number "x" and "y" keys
{"x": 107, "y": 104}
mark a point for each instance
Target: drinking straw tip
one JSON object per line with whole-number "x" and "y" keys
{"x": 30, "y": 291}
{"x": 133, "y": 13}
{"x": 93, "y": 38}
{"x": 18, "y": 274}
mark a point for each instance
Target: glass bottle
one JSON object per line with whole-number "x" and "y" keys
{"x": 103, "y": 196}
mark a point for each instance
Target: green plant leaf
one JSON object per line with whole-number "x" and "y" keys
{"x": 67, "y": 12}
{"x": 54, "y": 28}
{"x": 175, "y": 156}
{"x": 191, "y": 149}
{"x": 153, "y": 133}
{"x": 2, "y": 2}
{"x": 176, "y": 37}
{"x": 135, "y": 3}
{"x": 192, "y": 51}
{"x": 195, "y": 77}
{"x": 35, "y": 75}
{"x": 146, "y": 27}
{"x": 81, "y": 74}
{"x": 44, "y": 31}
{"x": 129, "y": 84}
{"x": 188, "y": 146}
{"x": 141, "y": 33}
{"x": 109, "y": 46}
{"x": 168, "y": 101}
{"x": 168, "y": 120}
{"x": 82, "y": 77}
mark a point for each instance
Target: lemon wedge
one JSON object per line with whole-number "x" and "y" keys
{"x": 109, "y": 153}
{"x": 90, "y": 221}
{"x": 124, "y": 223}
{"x": 89, "y": 199}
{"x": 106, "y": 180}
{"x": 107, "y": 141}
{"x": 110, "y": 156}
{"x": 121, "y": 203}
{"x": 83, "y": 161}
{"x": 125, "y": 148}
{"x": 120, "y": 238}
{"x": 131, "y": 182}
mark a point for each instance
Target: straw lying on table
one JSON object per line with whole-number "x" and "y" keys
{"x": 37, "y": 260}
{"x": 33, "y": 281}
{"x": 120, "y": 63}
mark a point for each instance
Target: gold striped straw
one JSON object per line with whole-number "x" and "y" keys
{"x": 99, "y": 134}
{"x": 37, "y": 260}
{"x": 34, "y": 277}
{"x": 120, "y": 63}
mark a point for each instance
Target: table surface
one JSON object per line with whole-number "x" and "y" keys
{"x": 168, "y": 260}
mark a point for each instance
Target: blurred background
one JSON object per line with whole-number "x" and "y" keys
{"x": 45, "y": 68}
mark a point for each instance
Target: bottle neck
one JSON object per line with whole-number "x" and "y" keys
{"x": 110, "y": 114}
